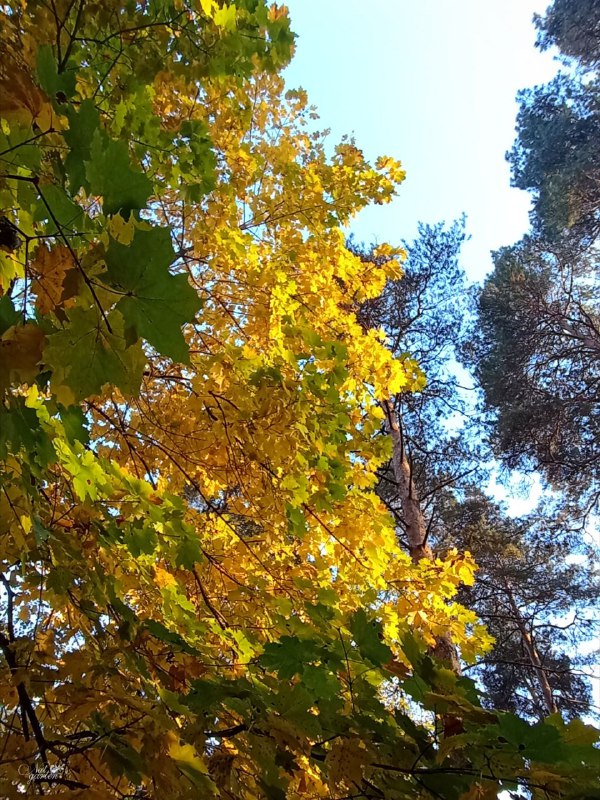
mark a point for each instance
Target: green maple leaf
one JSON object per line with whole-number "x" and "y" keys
{"x": 86, "y": 473}
{"x": 188, "y": 553}
{"x": 110, "y": 174}
{"x": 163, "y": 634}
{"x": 321, "y": 682}
{"x": 66, "y": 215}
{"x": 85, "y": 356}
{"x": 74, "y": 421}
{"x": 51, "y": 80}
{"x": 156, "y": 303}
{"x": 9, "y": 316}
{"x": 140, "y": 539}
{"x": 20, "y": 431}
{"x": 289, "y": 655}
{"x": 123, "y": 759}
{"x": 540, "y": 742}
{"x": 368, "y": 635}
{"x": 83, "y": 124}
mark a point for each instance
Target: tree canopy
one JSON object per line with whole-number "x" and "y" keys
{"x": 537, "y": 347}
{"x": 202, "y": 593}
{"x": 573, "y": 27}
{"x": 536, "y": 354}
{"x": 536, "y": 605}
{"x": 554, "y": 157}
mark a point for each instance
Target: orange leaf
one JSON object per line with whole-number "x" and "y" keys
{"x": 51, "y": 267}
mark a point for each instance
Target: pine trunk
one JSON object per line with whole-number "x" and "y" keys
{"x": 414, "y": 522}
{"x": 533, "y": 655}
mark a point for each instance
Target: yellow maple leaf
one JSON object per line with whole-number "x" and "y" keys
{"x": 185, "y": 755}
{"x": 163, "y": 578}
{"x": 51, "y": 268}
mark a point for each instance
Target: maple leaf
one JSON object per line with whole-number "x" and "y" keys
{"x": 368, "y": 635}
{"x": 84, "y": 356}
{"x": 156, "y": 303}
{"x": 88, "y": 476}
{"x": 83, "y": 124}
{"x": 51, "y": 80}
{"x": 51, "y": 268}
{"x": 110, "y": 175}
{"x": 21, "y": 101}
{"x": 289, "y": 655}
{"x": 9, "y": 316}
{"x": 190, "y": 763}
{"x": 20, "y": 354}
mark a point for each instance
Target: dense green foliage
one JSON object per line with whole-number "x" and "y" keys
{"x": 536, "y": 355}
{"x": 555, "y": 157}
{"x": 573, "y": 27}
{"x": 538, "y": 345}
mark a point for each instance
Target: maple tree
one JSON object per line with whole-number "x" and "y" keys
{"x": 202, "y": 593}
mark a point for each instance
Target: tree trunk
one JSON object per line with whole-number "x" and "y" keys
{"x": 412, "y": 514}
{"x": 532, "y": 652}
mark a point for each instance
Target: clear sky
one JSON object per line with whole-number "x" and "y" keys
{"x": 433, "y": 83}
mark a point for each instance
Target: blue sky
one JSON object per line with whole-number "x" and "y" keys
{"x": 433, "y": 83}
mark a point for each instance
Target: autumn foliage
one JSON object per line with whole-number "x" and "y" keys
{"x": 202, "y": 593}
